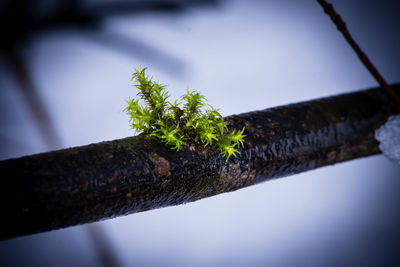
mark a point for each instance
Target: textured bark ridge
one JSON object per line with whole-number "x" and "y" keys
{"x": 89, "y": 183}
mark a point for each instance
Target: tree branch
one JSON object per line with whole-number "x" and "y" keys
{"x": 341, "y": 26}
{"x": 89, "y": 183}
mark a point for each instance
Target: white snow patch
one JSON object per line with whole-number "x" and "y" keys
{"x": 388, "y": 136}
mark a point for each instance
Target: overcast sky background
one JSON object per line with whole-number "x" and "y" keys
{"x": 243, "y": 56}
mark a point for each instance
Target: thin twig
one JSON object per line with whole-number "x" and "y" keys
{"x": 341, "y": 25}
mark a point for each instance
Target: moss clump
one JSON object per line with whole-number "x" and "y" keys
{"x": 186, "y": 121}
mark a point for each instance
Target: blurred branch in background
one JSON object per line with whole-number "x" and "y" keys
{"x": 16, "y": 62}
{"x": 21, "y": 21}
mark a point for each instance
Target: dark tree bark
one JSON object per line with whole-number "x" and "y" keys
{"x": 89, "y": 183}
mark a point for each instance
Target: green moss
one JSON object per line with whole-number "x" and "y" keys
{"x": 185, "y": 121}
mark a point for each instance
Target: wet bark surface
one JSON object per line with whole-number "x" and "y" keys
{"x": 108, "y": 179}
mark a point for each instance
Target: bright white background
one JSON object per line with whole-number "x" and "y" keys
{"x": 243, "y": 56}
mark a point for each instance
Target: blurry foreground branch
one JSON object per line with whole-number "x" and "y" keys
{"x": 89, "y": 183}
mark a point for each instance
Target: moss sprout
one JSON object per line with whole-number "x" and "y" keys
{"x": 189, "y": 120}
